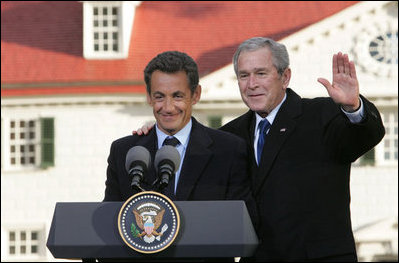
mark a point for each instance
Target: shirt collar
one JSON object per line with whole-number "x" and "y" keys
{"x": 181, "y": 135}
{"x": 271, "y": 116}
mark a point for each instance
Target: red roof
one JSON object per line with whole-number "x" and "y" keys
{"x": 42, "y": 53}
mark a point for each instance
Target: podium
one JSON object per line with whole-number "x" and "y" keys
{"x": 209, "y": 229}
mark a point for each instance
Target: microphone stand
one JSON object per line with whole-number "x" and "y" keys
{"x": 138, "y": 188}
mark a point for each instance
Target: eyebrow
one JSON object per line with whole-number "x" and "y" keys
{"x": 255, "y": 70}
{"x": 173, "y": 94}
{"x": 157, "y": 93}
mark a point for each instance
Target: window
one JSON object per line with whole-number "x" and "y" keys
{"x": 384, "y": 48}
{"x": 105, "y": 28}
{"x": 386, "y": 152}
{"x": 376, "y": 44}
{"x": 390, "y": 141}
{"x": 28, "y": 143}
{"x": 25, "y": 243}
{"x": 23, "y": 142}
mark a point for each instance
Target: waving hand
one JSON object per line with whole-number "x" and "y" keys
{"x": 344, "y": 89}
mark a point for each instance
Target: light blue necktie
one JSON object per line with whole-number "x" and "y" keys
{"x": 264, "y": 125}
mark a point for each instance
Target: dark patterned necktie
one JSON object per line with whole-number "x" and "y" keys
{"x": 264, "y": 125}
{"x": 171, "y": 141}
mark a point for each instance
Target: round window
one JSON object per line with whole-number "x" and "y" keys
{"x": 384, "y": 48}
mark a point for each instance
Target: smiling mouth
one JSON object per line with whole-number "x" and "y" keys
{"x": 255, "y": 95}
{"x": 168, "y": 117}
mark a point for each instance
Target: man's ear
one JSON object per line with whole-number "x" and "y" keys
{"x": 286, "y": 77}
{"x": 148, "y": 98}
{"x": 196, "y": 95}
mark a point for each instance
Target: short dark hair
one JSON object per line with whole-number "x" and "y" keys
{"x": 171, "y": 62}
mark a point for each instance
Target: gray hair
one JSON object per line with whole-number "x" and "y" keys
{"x": 279, "y": 52}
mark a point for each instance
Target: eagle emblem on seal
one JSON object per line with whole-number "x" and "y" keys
{"x": 149, "y": 218}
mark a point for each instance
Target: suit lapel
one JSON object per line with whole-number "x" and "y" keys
{"x": 249, "y": 135}
{"x": 244, "y": 126}
{"x": 246, "y": 120}
{"x": 283, "y": 125}
{"x": 195, "y": 160}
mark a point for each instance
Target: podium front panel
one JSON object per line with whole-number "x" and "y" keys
{"x": 208, "y": 229}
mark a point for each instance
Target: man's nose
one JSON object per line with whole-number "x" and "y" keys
{"x": 252, "y": 81}
{"x": 168, "y": 105}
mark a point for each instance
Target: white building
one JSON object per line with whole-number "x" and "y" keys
{"x": 63, "y": 104}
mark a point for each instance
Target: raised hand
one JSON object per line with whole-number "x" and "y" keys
{"x": 344, "y": 89}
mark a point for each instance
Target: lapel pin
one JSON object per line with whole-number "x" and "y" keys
{"x": 283, "y": 130}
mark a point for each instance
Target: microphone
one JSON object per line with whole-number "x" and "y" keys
{"x": 138, "y": 160}
{"x": 167, "y": 161}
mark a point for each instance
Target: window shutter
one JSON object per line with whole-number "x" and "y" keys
{"x": 215, "y": 122}
{"x": 368, "y": 158}
{"x": 47, "y": 141}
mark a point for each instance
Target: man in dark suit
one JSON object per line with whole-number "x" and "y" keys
{"x": 214, "y": 163}
{"x": 301, "y": 153}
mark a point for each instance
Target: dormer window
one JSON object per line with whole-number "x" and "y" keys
{"x": 107, "y": 28}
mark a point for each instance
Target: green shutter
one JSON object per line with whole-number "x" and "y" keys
{"x": 368, "y": 158}
{"x": 215, "y": 122}
{"x": 47, "y": 141}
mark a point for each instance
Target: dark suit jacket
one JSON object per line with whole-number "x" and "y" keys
{"x": 302, "y": 185}
{"x": 214, "y": 168}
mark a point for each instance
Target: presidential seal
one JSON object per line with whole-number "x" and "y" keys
{"x": 148, "y": 222}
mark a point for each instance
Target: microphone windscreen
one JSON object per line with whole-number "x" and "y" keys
{"x": 167, "y": 152}
{"x": 137, "y": 153}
